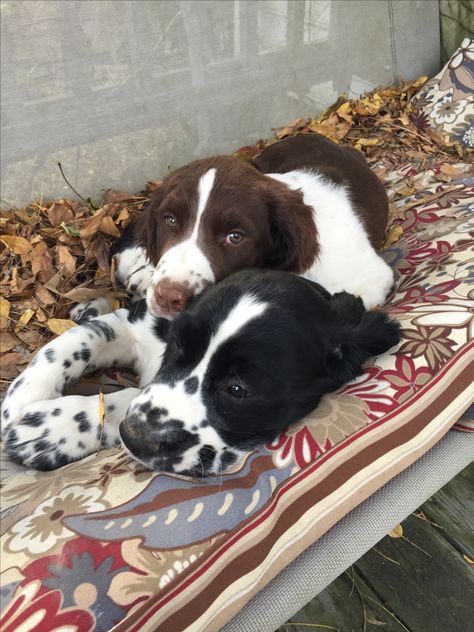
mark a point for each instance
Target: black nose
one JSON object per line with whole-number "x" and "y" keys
{"x": 136, "y": 442}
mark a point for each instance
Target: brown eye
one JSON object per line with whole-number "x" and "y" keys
{"x": 234, "y": 238}
{"x": 170, "y": 220}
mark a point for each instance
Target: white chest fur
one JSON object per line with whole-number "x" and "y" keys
{"x": 347, "y": 261}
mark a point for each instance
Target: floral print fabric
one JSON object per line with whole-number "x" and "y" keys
{"x": 446, "y": 102}
{"x": 89, "y": 546}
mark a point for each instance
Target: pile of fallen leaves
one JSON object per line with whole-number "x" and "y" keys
{"x": 55, "y": 254}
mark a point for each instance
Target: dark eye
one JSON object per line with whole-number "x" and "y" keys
{"x": 234, "y": 238}
{"x": 238, "y": 391}
{"x": 170, "y": 220}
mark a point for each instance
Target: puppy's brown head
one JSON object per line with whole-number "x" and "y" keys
{"x": 217, "y": 216}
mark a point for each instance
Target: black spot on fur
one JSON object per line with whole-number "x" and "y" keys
{"x": 50, "y": 355}
{"x": 81, "y": 446}
{"x": 43, "y": 463}
{"x": 191, "y": 385}
{"x": 101, "y": 329}
{"x": 76, "y": 355}
{"x": 67, "y": 364}
{"x": 33, "y": 419}
{"x": 154, "y": 417}
{"x": 87, "y": 314}
{"x": 56, "y": 412}
{"x": 85, "y": 355}
{"x": 83, "y": 421}
{"x": 62, "y": 441}
{"x": 12, "y": 438}
{"x": 110, "y": 408}
{"x": 137, "y": 311}
{"x": 6, "y": 413}
{"x": 16, "y": 384}
{"x": 43, "y": 446}
{"x": 204, "y": 423}
{"x": 206, "y": 456}
{"x": 145, "y": 407}
{"x": 227, "y": 459}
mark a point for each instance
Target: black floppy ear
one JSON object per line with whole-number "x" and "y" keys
{"x": 293, "y": 232}
{"x": 357, "y": 335}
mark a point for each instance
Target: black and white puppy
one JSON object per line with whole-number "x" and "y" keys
{"x": 249, "y": 356}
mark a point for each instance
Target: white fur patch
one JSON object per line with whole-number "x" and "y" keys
{"x": 247, "y": 309}
{"x": 347, "y": 261}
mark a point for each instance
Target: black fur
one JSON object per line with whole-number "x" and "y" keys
{"x": 271, "y": 373}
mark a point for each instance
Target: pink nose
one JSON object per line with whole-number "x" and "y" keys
{"x": 171, "y": 297}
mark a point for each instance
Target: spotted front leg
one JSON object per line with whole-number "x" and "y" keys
{"x": 52, "y": 433}
{"x": 44, "y": 429}
{"x": 102, "y": 342}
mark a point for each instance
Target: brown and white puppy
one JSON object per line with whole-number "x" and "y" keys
{"x": 318, "y": 211}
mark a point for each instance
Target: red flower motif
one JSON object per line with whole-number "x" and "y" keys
{"x": 415, "y": 217}
{"x": 28, "y": 606}
{"x": 419, "y": 294}
{"x": 406, "y": 379}
{"x": 370, "y": 387}
{"x": 301, "y": 445}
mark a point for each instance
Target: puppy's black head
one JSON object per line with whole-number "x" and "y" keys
{"x": 250, "y": 356}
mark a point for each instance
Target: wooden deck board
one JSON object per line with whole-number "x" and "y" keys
{"x": 429, "y": 588}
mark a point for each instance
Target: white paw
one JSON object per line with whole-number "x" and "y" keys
{"x": 82, "y": 312}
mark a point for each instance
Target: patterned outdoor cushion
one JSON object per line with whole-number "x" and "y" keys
{"x": 446, "y": 102}
{"x": 105, "y": 542}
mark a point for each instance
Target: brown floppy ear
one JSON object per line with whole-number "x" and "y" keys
{"x": 145, "y": 226}
{"x": 293, "y": 232}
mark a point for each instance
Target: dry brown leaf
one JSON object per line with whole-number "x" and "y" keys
{"x": 395, "y": 212}
{"x": 427, "y": 198}
{"x": 4, "y": 312}
{"x": 40, "y": 315}
{"x": 344, "y": 111}
{"x": 24, "y": 319}
{"x": 123, "y": 217}
{"x": 107, "y": 226}
{"x": 41, "y": 262}
{"x": 11, "y": 359}
{"x": 396, "y": 532}
{"x": 367, "y": 142}
{"x": 7, "y": 342}
{"x": 92, "y": 225}
{"x": 59, "y": 212}
{"x": 18, "y": 245}
{"x": 368, "y": 106}
{"x": 291, "y": 128}
{"x": 83, "y": 294}
{"x": 43, "y": 296}
{"x": 393, "y": 236}
{"x": 59, "y": 326}
{"x": 66, "y": 262}
{"x": 110, "y": 195}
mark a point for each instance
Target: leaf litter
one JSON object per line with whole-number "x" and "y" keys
{"x": 55, "y": 253}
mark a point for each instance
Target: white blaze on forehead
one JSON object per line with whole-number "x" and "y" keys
{"x": 247, "y": 309}
{"x": 186, "y": 262}
{"x": 206, "y": 182}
